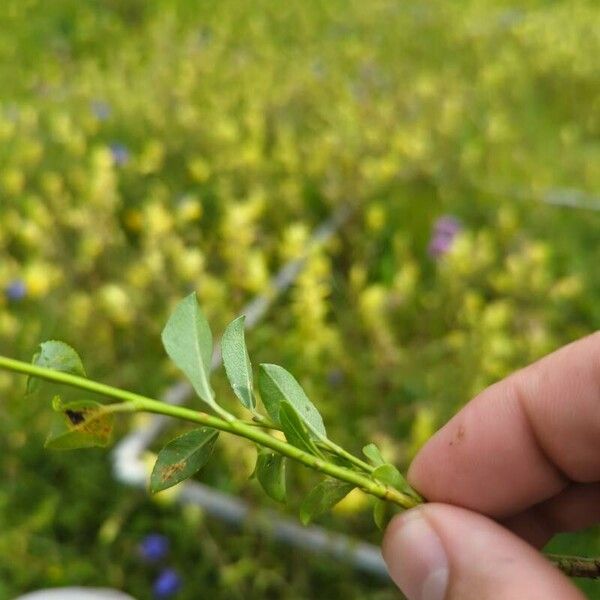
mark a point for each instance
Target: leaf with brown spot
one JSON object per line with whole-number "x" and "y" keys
{"x": 80, "y": 424}
{"x": 182, "y": 457}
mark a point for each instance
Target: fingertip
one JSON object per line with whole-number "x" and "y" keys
{"x": 416, "y": 474}
{"x": 415, "y": 556}
{"x": 522, "y": 440}
{"x": 441, "y": 552}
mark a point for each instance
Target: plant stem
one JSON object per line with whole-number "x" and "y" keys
{"x": 265, "y": 423}
{"x": 260, "y": 421}
{"x": 132, "y": 402}
{"x": 361, "y": 464}
{"x": 577, "y": 566}
{"x": 121, "y": 407}
{"x": 142, "y": 403}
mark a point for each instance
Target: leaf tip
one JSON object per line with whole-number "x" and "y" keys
{"x": 305, "y": 518}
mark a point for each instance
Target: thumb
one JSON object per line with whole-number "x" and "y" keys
{"x": 441, "y": 552}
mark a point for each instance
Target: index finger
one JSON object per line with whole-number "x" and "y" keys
{"x": 522, "y": 440}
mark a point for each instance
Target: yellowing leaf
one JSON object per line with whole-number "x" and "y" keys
{"x": 81, "y": 424}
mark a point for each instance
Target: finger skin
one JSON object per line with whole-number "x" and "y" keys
{"x": 486, "y": 561}
{"x": 573, "y": 509}
{"x": 521, "y": 441}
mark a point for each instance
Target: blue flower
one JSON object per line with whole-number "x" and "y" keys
{"x": 100, "y": 109}
{"x": 154, "y": 547}
{"x": 166, "y": 584}
{"x": 120, "y": 153}
{"x": 16, "y": 290}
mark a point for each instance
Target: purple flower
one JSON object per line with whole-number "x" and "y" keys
{"x": 166, "y": 584}
{"x": 447, "y": 225}
{"x": 154, "y": 547}
{"x": 100, "y": 109}
{"x": 120, "y": 153}
{"x": 16, "y": 290}
{"x": 445, "y": 229}
{"x": 335, "y": 377}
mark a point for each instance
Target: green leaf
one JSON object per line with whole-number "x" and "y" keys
{"x": 380, "y": 513}
{"x": 80, "y": 424}
{"x": 237, "y": 362}
{"x": 270, "y": 471}
{"x": 278, "y": 387}
{"x": 322, "y": 498}
{"x": 182, "y": 457}
{"x": 57, "y": 356}
{"x": 295, "y": 431}
{"x": 188, "y": 341}
{"x": 389, "y": 475}
{"x": 372, "y": 452}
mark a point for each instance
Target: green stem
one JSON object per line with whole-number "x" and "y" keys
{"x": 82, "y": 383}
{"x": 263, "y": 422}
{"x": 142, "y": 403}
{"x": 132, "y": 402}
{"x": 121, "y": 407}
{"x": 361, "y": 464}
{"x": 260, "y": 421}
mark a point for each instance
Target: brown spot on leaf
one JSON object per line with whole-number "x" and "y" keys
{"x": 75, "y": 417}
{"x": 90, "y": 421}
{"x": 171, "y": 471}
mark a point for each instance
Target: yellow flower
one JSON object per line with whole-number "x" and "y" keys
{"x": 189, "y": 209}
{"x": 376, "y": 217}
{"x": 294, "y": 241}
{"x": 189, "y": 264}
{"x": 116, "y": 303}
{"x": 80, "y": 308}
{"x": 497, "y": 315}
{"x": 134, "y": 220}
{"x": 567, "y": 288}
{"x": 40, "y": 278}
{"x": 152, "y": 156}
{"x": 157, "y": 219}
{"x": 199, "y": 169}
{"x": 9, "y": 325}
{"x": 405, "y": 281}
{"x": 12, "y": 181}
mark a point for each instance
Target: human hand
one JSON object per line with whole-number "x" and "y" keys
{"x": 526, "y": 454}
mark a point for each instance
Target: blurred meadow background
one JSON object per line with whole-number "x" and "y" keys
{"x": 151, "y": 148}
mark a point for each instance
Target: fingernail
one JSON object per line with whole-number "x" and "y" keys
{"x": 416, "y": 558}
